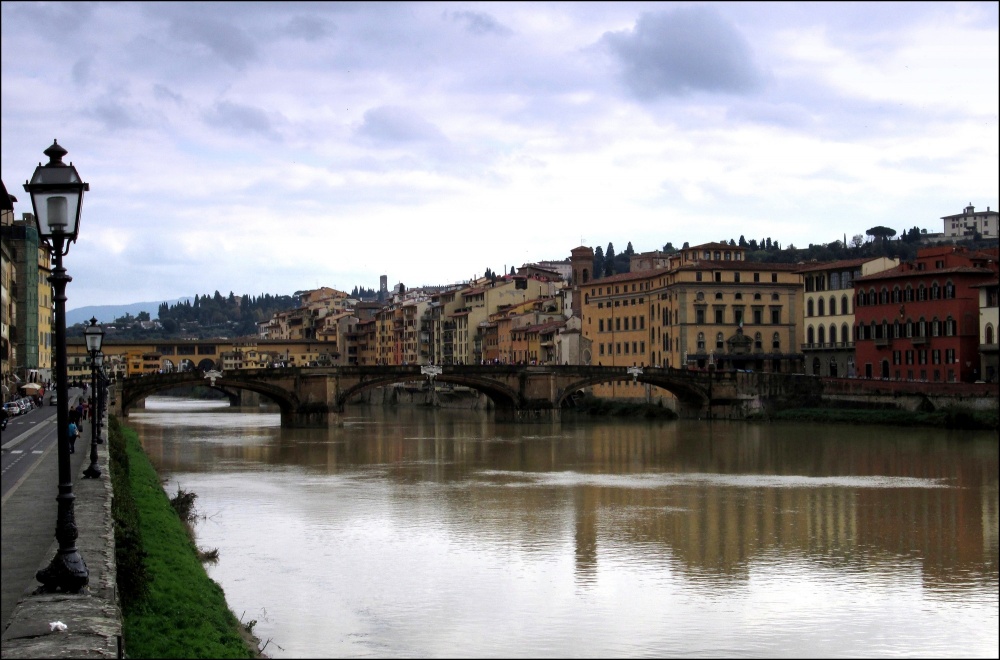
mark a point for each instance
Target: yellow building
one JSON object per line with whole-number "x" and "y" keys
{"x": 704, "y": 307}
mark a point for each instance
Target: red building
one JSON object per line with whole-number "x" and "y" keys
{"x": 920, "y": 320}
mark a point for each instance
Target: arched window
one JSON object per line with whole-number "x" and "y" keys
{"x": 949, "y": 290}
{"x": 719, "y": 341}
{"x": 822, "y": 307}
{"x": 935, "y": 291}
{"x": 833, "y": 334}
{"x": 871, "y": 330}
{"x": 843, "y": 305}
{"x": 935, "y": 327}
{"x": 896, "y": 330}
{"x": 810, "y": 335}
{"x": 718, "y": 295}
{"x": 921, "y": 292}
{"x": 758, "y": 341}
{"x": 922, "y": 327}
{"x": 949, "y": 327}
{"x": 700, "y": 295}
{"x": 822, "y": 335}
{"x": 701, "y": 341}
{"x": 909, "y": 328}
{"x": 756, "y": 296}
{"x": 776, "y": 341}
{"x": 896, "y": 296}
{"x": 809, "y": 307}
{"x": 908, "y": 294}
{"x": 989, "y": 334}
{"x": 883, "y": 296}
{"x": 872, "y": 297}
{"x": 833, "y": 306}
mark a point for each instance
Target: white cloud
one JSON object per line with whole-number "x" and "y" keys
{"x": 265, "y": 147}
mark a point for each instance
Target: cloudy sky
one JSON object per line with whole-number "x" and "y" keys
{"x": 272, "y": 147}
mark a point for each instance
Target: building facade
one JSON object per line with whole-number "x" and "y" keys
{"x": 828, "y": 349}
{"x": 920, "y": 320}
{"x": 970, "y": 222}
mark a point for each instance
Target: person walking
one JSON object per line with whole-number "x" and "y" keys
{"x": 73, "y": 433}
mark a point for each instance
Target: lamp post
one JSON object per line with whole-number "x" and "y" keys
{"x": 56, "y": 198}
{"x": 94, "y": 336}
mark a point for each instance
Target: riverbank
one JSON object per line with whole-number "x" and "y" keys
{"x": 972, "y": 420}
{"x": 170, "y": 607}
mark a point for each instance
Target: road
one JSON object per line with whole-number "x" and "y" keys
{"x": 30, "y": 483}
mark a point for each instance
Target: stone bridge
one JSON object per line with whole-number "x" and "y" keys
{"x": 317, "y": 396}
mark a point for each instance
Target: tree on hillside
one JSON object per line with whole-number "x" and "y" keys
{"x": 598, "y": 266}
{"x": 880, "y": 233}
{"x": 609, "y": 260}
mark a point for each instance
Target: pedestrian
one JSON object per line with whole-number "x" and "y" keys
{"x": 86, "y": 409}
{"x": 73, "y": 432}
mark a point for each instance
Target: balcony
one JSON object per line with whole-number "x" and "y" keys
{"x": 883, "y": 342}
{"x": 919, "y": 341}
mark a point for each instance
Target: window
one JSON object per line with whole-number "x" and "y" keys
{"x": 756, "y": 277}
{"x": 989, "y": 334}
{"x": 821, "y": 309}
{"x": 810, "y": 336}
{"x": 697, "y": 276}
{"x": 774, "y": 278}
{"x": 700, "y": 316}
{"x": 776, "y": 341}
{"x": 833, "y": 306}
{"x": 758, "y": 317}
{"x": 809, "y": 308}
{"x": 736, "y": 277}
{"x": 718, "y": 295}
{"x": 822, "y": 335}
{"x": 718, "y": 276}
{"x": 775, "y": 317}
{"x": 718, "y": 315}
{"x": 758, "y": 341}
{"x": 833, "y": 334}
{"x": 600, "y": 325}
{"x": 701, "y": 341}
{"x": 843, "y": 305}
{"x": 719, "y": 341}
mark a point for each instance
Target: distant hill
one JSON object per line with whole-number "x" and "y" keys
{"x": 108, "y": 313}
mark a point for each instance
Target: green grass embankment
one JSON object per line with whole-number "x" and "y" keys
{"x": 170, "y": 607}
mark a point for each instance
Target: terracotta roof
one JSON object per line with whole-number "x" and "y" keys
{"x": 907, "y": 271}
{"x": 842, "y": 263}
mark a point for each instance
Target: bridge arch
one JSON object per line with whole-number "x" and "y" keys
{"x": 691, "y": 396}
{"x": 501, "y": 395}
{"x": 134, "y": 390}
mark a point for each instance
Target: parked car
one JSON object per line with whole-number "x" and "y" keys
{"x": 53, "y": 400}
{"x": 13, "y": 410}
{"x": 23, "y": 405}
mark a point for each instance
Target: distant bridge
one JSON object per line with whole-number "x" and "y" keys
{"x": 317, "y": 396}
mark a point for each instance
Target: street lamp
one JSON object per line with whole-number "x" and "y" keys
{"x": 94, "y": 336}
{"x": 57, "y": 197}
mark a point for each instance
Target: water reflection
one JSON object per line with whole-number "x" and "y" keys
{"x": 757, "y": 538}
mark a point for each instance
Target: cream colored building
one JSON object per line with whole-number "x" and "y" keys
{"x": 989, "y": 329}
{"x": 829, "y": 313}
{"x": 970, "y": 222}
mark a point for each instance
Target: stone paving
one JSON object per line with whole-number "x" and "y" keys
{"x": 92, "y": 619}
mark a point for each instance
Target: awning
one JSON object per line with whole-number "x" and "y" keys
{"x": 31, "y": 388}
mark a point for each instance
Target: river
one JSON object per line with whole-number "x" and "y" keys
{"x": 410, "y": 532}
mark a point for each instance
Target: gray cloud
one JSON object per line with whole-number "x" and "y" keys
{"x": 164, "y": 93}
{"x": 228, "y": 43}
{"x": 393, "y": 125}
{"x": 308, "y": 28}
{"x": 480, "y": 23}
{"x": 81, "y": 70}
{"x": 238, "y": 119}
{"x": 682, "y": 51}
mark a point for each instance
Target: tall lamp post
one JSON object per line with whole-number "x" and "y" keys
{"x": 94, "y": 335}
{"x": 57, "y": 196}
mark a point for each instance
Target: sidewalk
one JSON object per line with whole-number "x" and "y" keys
{"x": 92, "y": 618}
